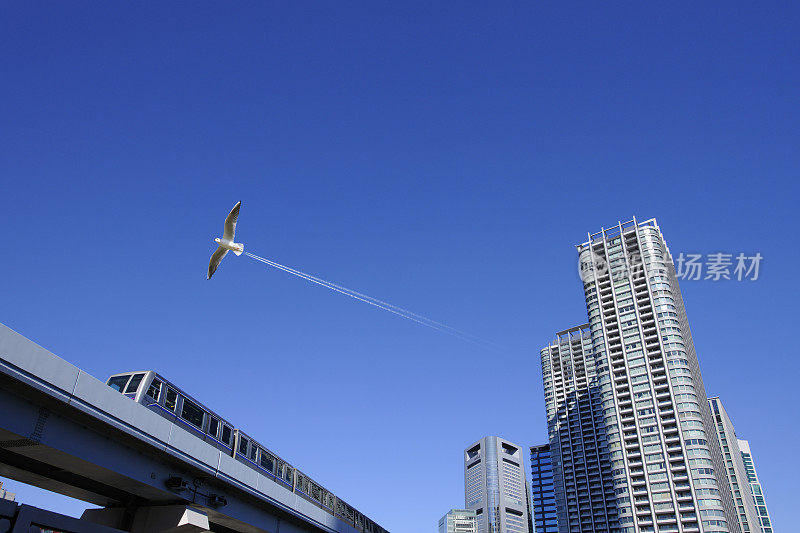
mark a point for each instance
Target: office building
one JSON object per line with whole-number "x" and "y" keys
{"x": 5, "y": 495}
{"x": 458, "y": 521}
{"x": 495, "y": 486}
{"x": 735, "y": 469}
{"x": 667, "y": 468}
{"x": 755, "y": 487}
{"x": 582, "y": 482}
{"x": 542, "y": 491}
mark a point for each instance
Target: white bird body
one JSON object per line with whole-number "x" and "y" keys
{"x": 236, "y": 248}
{"x": 226, "y": 243}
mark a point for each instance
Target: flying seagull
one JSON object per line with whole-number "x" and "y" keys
{"x": 226, "y": 242}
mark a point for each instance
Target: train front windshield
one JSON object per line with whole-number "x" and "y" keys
{"x": 133, "y": 386}
{"x": 118, "y": 383}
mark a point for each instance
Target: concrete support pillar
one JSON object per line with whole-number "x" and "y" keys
{"x": 155, "y": 519}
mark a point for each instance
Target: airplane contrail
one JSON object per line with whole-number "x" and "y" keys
{"x": 376, "y": 300}
{"x": 399, "y": 311}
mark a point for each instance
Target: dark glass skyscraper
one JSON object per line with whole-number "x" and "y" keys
{"x": 544, "y": 497}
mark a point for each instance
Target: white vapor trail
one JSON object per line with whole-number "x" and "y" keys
{"x": 386, "y": 306}
{"x": 330, "y": 284}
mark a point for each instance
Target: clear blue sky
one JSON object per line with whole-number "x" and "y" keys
{"x": 443, "y": 157}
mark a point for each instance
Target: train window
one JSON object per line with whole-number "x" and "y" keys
{"x": 192, "y": 414}
{"x": 171, "y": 400}
{"x": 154, "y": 390}
{"x": 134, "y": 384}
{"x": 226, "y": 435}
{"x": 301, "y": 482}
{"x": 118, "y": 383}
{"x": 316, "y": 492}
{"x": 267, "y": 461}
{"x": 253, "y": 452}
{"x": 330, "y": 500}
{"x": 243, "y": 442}
{"x": 213, "y": 427}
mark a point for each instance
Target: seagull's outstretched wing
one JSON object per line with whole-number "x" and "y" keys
{"x": 216, "y": 257}
{"x": 230, "y": 222}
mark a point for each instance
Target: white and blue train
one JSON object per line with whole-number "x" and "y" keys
{"x": 157, "y": 394}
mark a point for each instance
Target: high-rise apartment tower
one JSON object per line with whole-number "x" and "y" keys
{"x": 667, "y": 468}
{"x": 735, "y": 469}
{"x": 582, "y": 481}
{"x": 755, "y": 487}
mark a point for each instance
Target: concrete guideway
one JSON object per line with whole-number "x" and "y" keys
{"x": 65, "y": 431}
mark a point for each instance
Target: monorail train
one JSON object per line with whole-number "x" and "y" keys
{"x": 157, "y": 394}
